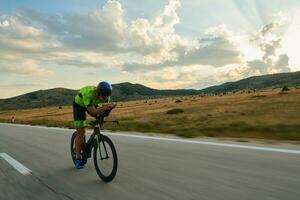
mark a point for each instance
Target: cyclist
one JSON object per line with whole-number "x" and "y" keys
{"x": 87, "y": 100}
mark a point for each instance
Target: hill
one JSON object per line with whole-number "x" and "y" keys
{"x": 40, "y": 98}
{"x": 128, "y": 91}
{"x": 291, "y": 79}
{"x": 62, "y": 96}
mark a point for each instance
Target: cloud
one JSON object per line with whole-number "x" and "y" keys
{"x": 15, "y": 36}
{"x": 281, "y": 65}
{"x": 101, "y": 30}
{"x": 195, "y": 76}
{"x": 149, "y": 47}
{"x": 158, "y": 34}
{"x": 217, "y": 50}
{"x": 273, "y": 59}
{"x": 81, "y": 59}
{"x": 17, "y": 42}
{"x": 104, "y": 32}
{"x": 172, "y": 77}
{"x": 29, "y": 38}
{"x": 270, "y": 43}
{"x": 282, "y": 62}
{"x": 70, "y": 38}
{"x": 229, "y": 65}
{"x": 23, "y": 85}
{"x": 21, "y": 66}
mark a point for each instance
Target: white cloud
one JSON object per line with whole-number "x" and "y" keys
{"x": 95, "y": 39}
{"x": 232, "y": 63}
{"x": 178, "y": 77}
{"x": 269, "y": 40}
{"x": 101, "y": 30}
{"x": 155, "y": 39}
{"x": 105, "y": 32}
{"x": 17, "y": 42}
{"x": 291, "y": 41}
{"x": 218, "y": 44}
{"x": 17, "y": 36}
{"x": 151, "y": 48}
{"x": 22, "y": 66}
{"x": 5, "y": 23}
{"x": 157, "y": 34}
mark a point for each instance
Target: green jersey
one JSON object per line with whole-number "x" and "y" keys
{"x": 87, "y": 97}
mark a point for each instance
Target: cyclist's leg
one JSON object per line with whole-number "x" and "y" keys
{"x": 79, "y": 140}
{"x": 79, "y": 123}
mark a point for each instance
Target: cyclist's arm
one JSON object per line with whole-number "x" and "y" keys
{"x": 95, "y": 111}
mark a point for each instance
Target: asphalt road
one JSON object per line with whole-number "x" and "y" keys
{"x": 148, "y": 169}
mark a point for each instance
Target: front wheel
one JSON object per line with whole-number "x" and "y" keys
{"x": 105, "y": 159}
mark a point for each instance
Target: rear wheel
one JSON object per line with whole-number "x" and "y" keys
{"x": 105, "y": 159}
{"x": 73, "y": 152}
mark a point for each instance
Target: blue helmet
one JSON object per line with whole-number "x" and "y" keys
{"x": 104, "y": 89}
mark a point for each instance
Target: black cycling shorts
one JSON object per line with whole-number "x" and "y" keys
{"x": 79, "y": 112}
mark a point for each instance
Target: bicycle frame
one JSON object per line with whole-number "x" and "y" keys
{"x": 98, "y": 139}
{"x": 97, "y": 136}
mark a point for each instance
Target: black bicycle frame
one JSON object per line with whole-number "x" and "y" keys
{"x": 98, "y": 137}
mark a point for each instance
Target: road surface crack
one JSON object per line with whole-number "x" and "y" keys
{"x": 59, "y": 194}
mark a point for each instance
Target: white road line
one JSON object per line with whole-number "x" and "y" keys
{"x": 17, "y": 165}
{"x": 279, "y": 150}
{"x": 35, "y": 126}
{"x": 210, "y": 143}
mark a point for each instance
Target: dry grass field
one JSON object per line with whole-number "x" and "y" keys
{"x": 260, "y": 115}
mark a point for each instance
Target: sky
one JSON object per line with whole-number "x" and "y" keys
{"x": 163, "y": 44}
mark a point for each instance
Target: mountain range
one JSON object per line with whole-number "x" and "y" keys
{"x": 128, "y": 91}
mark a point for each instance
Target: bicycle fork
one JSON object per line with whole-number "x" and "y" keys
{"x": 99, "y": 140}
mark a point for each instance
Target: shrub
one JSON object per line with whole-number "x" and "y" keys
{"x": 178, "y": 101}
{"x": 285, "y": 88}
{"x": 175, "y": 111}
{"x": 258, "y": 96}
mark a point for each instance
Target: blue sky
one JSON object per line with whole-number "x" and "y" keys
{"x": 158, "y": 43}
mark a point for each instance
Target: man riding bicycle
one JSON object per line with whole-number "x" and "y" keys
{"x": 87, "y": 100}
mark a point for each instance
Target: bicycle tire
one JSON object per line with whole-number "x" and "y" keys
{"x": 111, "y": 176}
{"x": 73, "y": 152}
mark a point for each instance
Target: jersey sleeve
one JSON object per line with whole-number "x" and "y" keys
{"x": 87, "y": 100}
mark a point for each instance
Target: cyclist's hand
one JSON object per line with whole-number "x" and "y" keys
{"x": 111, "y": 106}
{"x": 93, "y": 115}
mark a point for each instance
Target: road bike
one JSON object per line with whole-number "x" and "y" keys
{"x": 104, "y": 152}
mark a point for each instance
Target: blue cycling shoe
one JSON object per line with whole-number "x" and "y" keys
{"x": 79, "y": 164}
